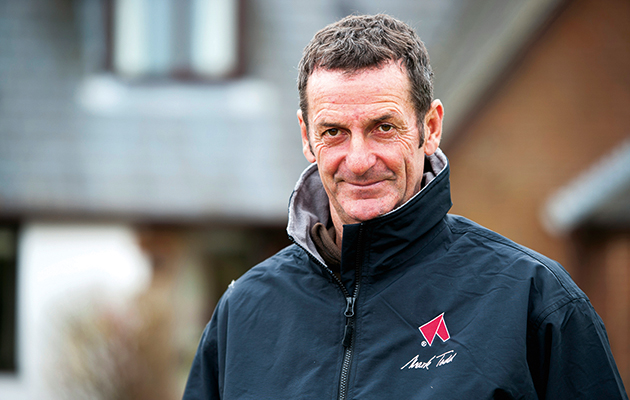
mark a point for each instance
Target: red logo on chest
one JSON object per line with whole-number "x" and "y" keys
{"x": 435, "y": 327}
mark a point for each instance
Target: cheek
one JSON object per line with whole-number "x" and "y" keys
{"x": 398, "y": 161}
{"x": 328, "y": 159}
{"x": 415, "y": 169}
{"x": 408, "y": 165}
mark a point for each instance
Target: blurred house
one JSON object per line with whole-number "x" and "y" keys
{"x": 150, "y": 146}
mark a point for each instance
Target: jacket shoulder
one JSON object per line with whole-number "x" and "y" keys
{"x": 549, "y": 281}
{"x": 281, "y": 266}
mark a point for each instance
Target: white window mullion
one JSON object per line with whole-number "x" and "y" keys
{"x": 160, "y": 36}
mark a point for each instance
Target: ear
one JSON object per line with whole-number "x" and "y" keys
{"x": 433, "y": 127}
{"x": 306, "y": 146}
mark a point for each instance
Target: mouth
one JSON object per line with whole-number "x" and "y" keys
{"x": 368, "y": 182}
{"x": 365, "y": 181}
{"x": 365, "y": 185}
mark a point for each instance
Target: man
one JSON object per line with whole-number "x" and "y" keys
{"x": 384, "y": 295}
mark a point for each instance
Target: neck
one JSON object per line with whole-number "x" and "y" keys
{"x": 338, "y": 227}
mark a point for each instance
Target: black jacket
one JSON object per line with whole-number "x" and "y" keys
{"x": 432, "y": 306}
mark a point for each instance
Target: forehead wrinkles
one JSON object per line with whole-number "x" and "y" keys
{"x": 340, "y": 89}
{"x": 327, "y": 113}
{"x": 342, "y": 103}
{"x": 371, "y": 87}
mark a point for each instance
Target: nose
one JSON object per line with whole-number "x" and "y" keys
{"x": 359, "y": 158}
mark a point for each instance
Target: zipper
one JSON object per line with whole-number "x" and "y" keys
{"x": 349, "y": 311}
{"x": 348, "y": 344}
{"x": 349, "y": 331}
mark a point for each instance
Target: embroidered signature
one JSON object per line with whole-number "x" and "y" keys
{"x": 442, "y": 359}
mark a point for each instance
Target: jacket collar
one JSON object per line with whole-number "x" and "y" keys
{"x": 388, "y": 238}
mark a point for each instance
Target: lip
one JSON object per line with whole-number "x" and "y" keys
{"x": 365, "y": 185}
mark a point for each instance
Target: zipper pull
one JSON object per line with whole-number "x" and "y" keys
{"x": 349, "y": 313}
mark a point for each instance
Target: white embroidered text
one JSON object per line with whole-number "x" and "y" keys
{"x": 442, "y": 359}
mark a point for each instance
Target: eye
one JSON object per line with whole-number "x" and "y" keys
{"x": 385, "y": 128}
{"x": 332, "y": 132}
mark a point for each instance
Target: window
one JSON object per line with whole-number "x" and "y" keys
{"x": 8, "y": 235}
{"x": 175, "y": 38}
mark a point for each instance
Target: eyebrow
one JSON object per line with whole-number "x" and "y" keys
{"x": 326, "y": 124}
{"x": 385, "y": 117}
{"x": 382, "y": 118}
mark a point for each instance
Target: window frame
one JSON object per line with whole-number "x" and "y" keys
{"x": 9, "y": 302}
{"x": 185, "y": 74}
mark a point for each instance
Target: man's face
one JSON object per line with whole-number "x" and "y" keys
{"x": 363, "y": 133}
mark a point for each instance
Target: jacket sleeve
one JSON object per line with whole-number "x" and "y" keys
{"x": 203, "y": 381}
{"x": 570, "y": 357}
